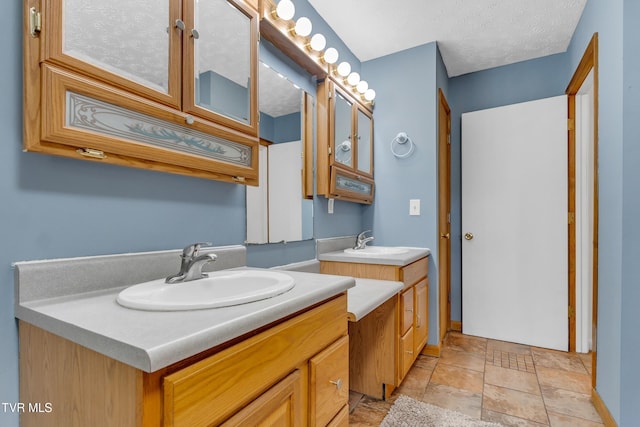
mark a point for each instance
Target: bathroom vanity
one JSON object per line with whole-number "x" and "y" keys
{"x": 283, "y": 360}
{"x": 386, "y": 342}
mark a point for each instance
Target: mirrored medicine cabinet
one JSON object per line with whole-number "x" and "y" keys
{"x": 168, "y": 85}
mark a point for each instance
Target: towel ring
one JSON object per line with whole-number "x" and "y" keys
{"x": 401, "y": 140}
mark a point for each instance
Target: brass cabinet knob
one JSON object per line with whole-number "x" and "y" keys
{"x": 468, "y": 236}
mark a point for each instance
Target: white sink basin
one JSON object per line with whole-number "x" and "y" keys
{"x": 372, "y": 251}
{"x": 220, "y": 289}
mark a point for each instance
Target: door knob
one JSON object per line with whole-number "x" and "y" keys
{"x": 468, "y": 236}
{"x": 445, "y": 235}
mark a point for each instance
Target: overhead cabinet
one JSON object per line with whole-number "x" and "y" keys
{"x": 345, "y": 145}
{"x": 169, "y": 85}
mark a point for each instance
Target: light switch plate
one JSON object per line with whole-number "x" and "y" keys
{"x": 414, "y": 207}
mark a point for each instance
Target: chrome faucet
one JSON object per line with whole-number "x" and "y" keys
{"x": 362, "y": 240}
{"x": 192, "y": 263}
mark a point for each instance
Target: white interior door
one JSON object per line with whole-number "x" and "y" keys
{"x": 514, "y": 223}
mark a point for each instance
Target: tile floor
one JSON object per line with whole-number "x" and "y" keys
{"x": 512, "y": 384}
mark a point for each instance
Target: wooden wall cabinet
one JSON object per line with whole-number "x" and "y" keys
{"x": 144, "y": 85}
{"x": 295, "y": 373}
{"x": 345, "y": 145}
{"x": 406, "y": 332}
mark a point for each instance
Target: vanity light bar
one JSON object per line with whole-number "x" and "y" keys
{"x": 285, "y": 10}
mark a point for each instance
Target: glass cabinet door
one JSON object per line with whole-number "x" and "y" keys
{"x": 343, "y": 131}
{"x": 132, "y": 44}
{"x": 365, "y": 145}
{"x": 220, "y": 76}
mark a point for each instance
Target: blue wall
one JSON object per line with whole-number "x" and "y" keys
{"x": 606, "y": 18}
{"x": 630, "y": 294}
{"x": 524, "y": 81}
{"x": 406, "y": 101}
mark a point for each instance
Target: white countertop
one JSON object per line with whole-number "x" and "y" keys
{"x": 412, "y": 254}
{"x": 151, "y": 340}
{"x": 369, "y": 294}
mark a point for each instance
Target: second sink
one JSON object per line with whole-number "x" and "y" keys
{"x": 220, "y": 289}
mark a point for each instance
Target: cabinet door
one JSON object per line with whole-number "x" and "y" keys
{"x": 329, "y": 386}
{"x": 220, "y": 65}
{"x": 364, "y": 137}
{"x": 406, "y": 354}
{"x": 343, "y": 144}
{"x": 421, "y": 319}
{"x": 406, "y": 310}
{"x": 281, "y": 405}
{"x": 132, "y": 45}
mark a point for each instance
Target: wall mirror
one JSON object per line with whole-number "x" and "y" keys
{"x": 278, "y": 209}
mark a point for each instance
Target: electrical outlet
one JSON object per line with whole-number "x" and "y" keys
{"x": 414, "y": 207}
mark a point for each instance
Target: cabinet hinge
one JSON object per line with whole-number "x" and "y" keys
{"x": 572, "y": 312}
{"x": 449, "y": 139}
{"x": 570, "y": 124}
{"x": 35, "y": 22}
{"x": 91, "y": 152}
{"x": 572, "y": 217}
{"x": 329, "y": 150}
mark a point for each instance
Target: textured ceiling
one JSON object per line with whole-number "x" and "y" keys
{"x": 472, "y": 35}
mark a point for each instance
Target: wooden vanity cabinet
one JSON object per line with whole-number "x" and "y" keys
{"x": 411, "y": 324}
{"x": 144, "y": 85}
{"x": 293, "y": 373}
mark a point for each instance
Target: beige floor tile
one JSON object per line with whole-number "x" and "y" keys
{"x": 566, "y": 380}
{"x": 515, "y": 403}
{"x": 509, "y": 347}
{"x": 570, "y": 403}
{"x": 473, "y": 361}
{"x": 587, "y": 361}
{"x": 458, "y": 377}
{"x": 415, "y": 383}
{"x": 456, "y": 399}
{"x": 470, "y": 344}
{"x": 559, "y": 420}
{"x": 508, "y": 420}
{"x": 558, "y": 360}
{"x": 369, "y": 412}
{"x": 426, "y": 362}
{"x": 513, "y": 379}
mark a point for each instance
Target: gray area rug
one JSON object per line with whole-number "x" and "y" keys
{"x": 413, "y": 413}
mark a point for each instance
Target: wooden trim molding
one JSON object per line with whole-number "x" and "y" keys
{"x": 456, "y": 326}
{"x": 588, "y": 63}
{"x": 603, "y": 411}
{"x": 432, "y": 350}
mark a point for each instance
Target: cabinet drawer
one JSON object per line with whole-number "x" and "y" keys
{"x": 329, "y": 387}
{"x": 414, "y": 272}
{"x": 422, "y": 315}
{"x": 406, "y": 354}
{"x": 281, "y": 405}
{"x": 342, "y": 419}
{"x": 406, "y": 310}
{"x": 208, "y": 392}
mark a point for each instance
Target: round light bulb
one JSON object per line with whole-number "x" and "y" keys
{"x": 303, "y": 26}
{"x": 344, "y": 68}
{"x": 370, "y": 95}
{"x": 362, "y": 86}
{"x": 353, "y": 79}
{"x": 318, "y": 42}
{"x": 285, "y": 9}
{"x": 331, "y": 55}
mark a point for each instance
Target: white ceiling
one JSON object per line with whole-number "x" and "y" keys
{"x": 472, "y": 35}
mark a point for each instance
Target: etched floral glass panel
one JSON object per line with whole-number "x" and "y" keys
{"x": 349, "y": 184}
{"x": 342, "y": 127}
{"x": 222, "y": 66}
{"x": 128, "y": 38}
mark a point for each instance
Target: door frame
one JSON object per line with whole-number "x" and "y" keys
{"x": 444, "y": 215}
{"x": 588, "y": 63}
